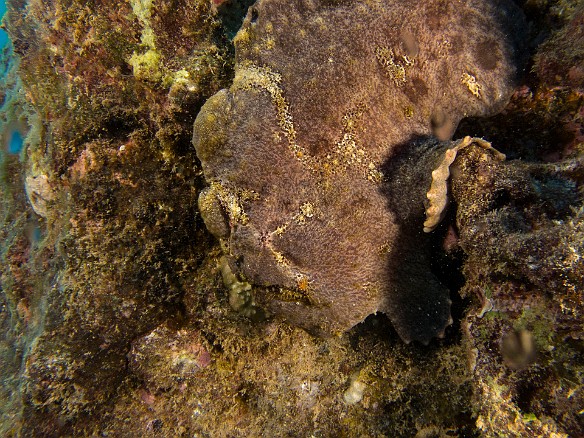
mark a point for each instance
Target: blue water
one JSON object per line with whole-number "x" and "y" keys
{"x": 3, "y": 35}
{"x": 15, "y": 143}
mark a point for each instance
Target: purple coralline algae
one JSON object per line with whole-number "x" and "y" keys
{"x": 300, "y": 152}
{"x": 121, "y": 315}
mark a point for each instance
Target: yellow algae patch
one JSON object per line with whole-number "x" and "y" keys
{"x": 394, "y": 65}
{"x": 146, "y": 66}
{"x": 471, "y": 83}
{"x": 233, "y": 201}
{"x": 348, "y": 151}
{"x": 254, "y": 77}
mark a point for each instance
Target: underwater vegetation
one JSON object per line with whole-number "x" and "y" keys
{"x": 359, "y": 174}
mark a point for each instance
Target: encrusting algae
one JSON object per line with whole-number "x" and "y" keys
{"x": 121, "y": 315}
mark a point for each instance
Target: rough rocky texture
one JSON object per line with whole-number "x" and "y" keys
{"x": 266, "y": 379}
{"x": 560, "y": 60}
{"x": 136, "y": 266}
{"x": 298, "y": 151}
{"x": 95, "y": 258}
{"x": 18, "y": 239}
{"x": 534, "y": 277}
{"x": 520, "y": 225}
{"x": 438, "y": 194}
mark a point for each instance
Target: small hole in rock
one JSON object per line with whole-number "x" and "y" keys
{"x": 254, "y": 15}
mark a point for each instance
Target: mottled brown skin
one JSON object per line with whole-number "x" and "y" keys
{"x": 298, "y": 152}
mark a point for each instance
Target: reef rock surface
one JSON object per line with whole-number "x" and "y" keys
{"x": 300, "y": 151}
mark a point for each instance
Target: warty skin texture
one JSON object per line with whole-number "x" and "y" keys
{"x": 301, "y": 152}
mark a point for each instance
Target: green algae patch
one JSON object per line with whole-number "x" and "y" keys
{"x": 107, "y": 182}
{"x": 147, "y": 65}
{"x": 115, "y": 317}
{"x": 538, "y": 322}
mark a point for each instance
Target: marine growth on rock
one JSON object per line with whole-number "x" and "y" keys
{"x": 317, "y": 178}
